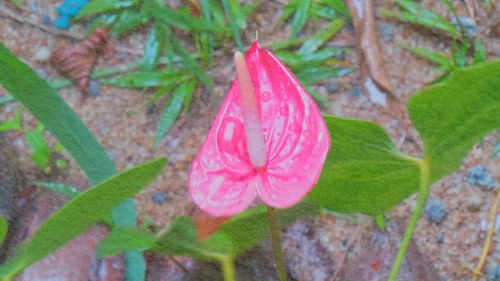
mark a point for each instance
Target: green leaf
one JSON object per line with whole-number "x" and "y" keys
{"x": 420, "y": 15}
{"x": 81, "y": 213}
{"x": 173, "y": 108}
{"x": 153, "y": 47}
{"x": 102, "y": 6}
{"x": 455, "y": 114}
{"x": 39, "y": 146}
{"x": 364, "y": 172}
{"x": 144, "y": 79}
{"x": 480, "y": 52}
{"x": 125, "y": 239}
{"x": 249, "y": 228}
{"x": 67, "y": 190}
{"x": 312, "y": 44}
{"x": 44, "y": 103}
{"x": 4, "y": 228}
{"x": 181, "y": 240}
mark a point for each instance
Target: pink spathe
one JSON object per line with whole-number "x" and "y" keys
{"x": 224, "y": 180}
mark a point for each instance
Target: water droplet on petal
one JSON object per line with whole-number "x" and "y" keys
{"x": 307, "y": 133}
{"x": 265, "y": 96}
{"x": 294, "y": 127}
{"x": 284, "y": 110}
{"x": 230, "y": 134}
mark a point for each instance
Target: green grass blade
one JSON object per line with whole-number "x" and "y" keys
{"x": 40, "y": 148}
{"x": 67, "y": 190}
{"x": 418, "y": 14}
{"x": 300, "y": 16}
{"x": 4, "y": 228}
{"x": 234, "y": 25}
{"x": 6, "y": 99}
{"x": 188, "y": 61}
{"x": 95, "y": 7}
{"x": 480, "y": 53}
{"x": 144, "y": 79}
{"x": 172, "y": 109}
{"x": 153, "y": 47}
{"x": 312, "y": 44}
{"x": 444, "y": 62}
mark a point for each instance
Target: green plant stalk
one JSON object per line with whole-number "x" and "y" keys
{"x": 228, "y": 271}
{"x": 423, "y": 194}
{"x": 276, "y": 239}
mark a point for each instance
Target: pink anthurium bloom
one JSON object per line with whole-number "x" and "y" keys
{"x": 268, "y": 140}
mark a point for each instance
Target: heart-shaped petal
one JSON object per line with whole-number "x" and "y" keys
{"x": 224, "y": 182}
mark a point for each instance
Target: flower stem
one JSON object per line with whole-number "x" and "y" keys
{"x": 228, "y": 272}
{"x": 276, "y": 239}
{"x": 423, "y": 194}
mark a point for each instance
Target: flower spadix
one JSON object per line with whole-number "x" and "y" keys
{"x": 268, "y": 141}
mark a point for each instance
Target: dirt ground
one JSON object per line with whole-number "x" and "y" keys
{"x": 121, "y": 122}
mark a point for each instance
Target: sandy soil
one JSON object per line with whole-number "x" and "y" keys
{"x": 122, "y": 124}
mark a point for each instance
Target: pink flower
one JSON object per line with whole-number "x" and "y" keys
{"x": 268, "y": 140}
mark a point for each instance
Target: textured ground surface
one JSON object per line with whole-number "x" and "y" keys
{"x": 122, "y": 124}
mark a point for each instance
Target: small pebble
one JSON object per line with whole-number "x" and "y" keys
{"x": 42, "y": 72}
{"x": 42, "y": 54}
{"x": 46, "y": 20}
{"x": 474, "y": 202}
{"x": 356, "y": 90}
{"x": 467, "y": 23}
{"x": 493, "y": 272}
{"x": 94, "y": 88}
{"x": 480, "y": 176}
{"x": 440, "y": 237}
{"x": 497, "y": 150}
{"x": 158, "y": 198}
{"x": 386, "y": 31}
{"x": 332, "y": 86}
{"x": 436, "y": 211}
{"x": 33, "y": 7}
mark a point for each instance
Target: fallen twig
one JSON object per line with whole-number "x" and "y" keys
{"x": 488, "y": 240}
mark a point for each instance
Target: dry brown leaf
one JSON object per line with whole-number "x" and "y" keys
{"x": 374, "y": 79}
{"x": 194, "y": 7}
{"x": 77, "y": 61}
{"x": 205, "y": 224}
